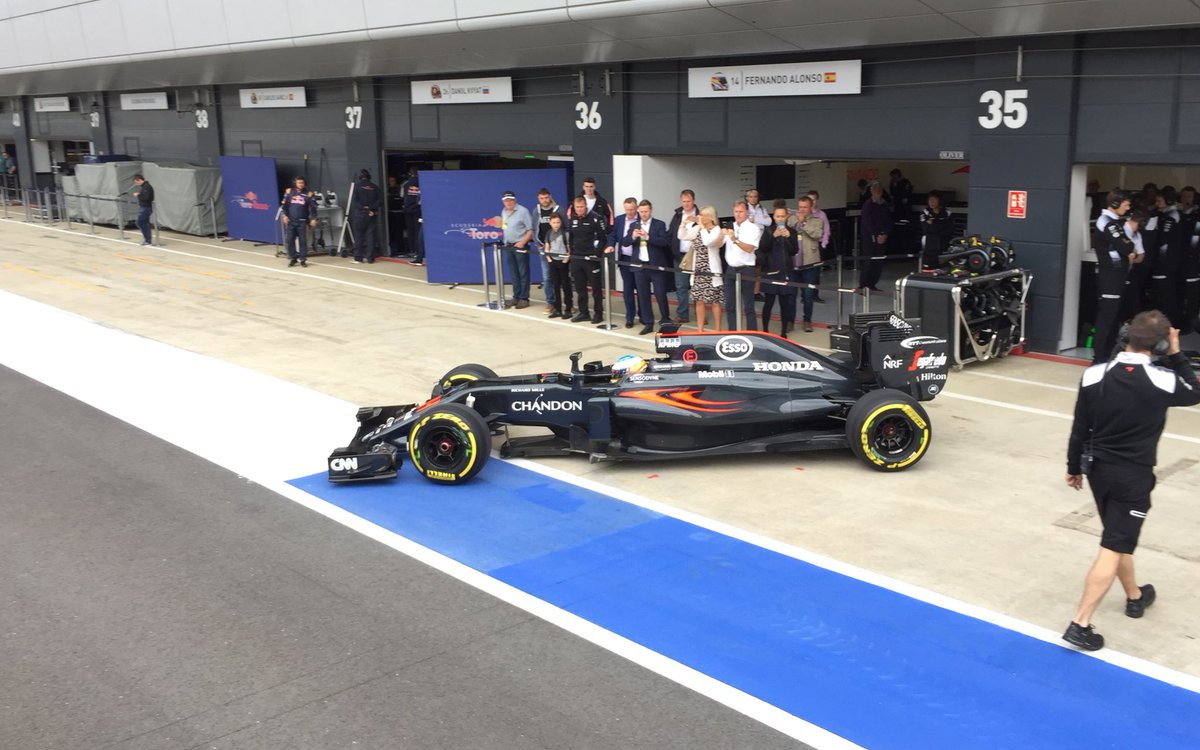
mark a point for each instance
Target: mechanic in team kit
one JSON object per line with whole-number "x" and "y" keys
{"x": 587, "y": 240}
{"x": 364, "y": 217}
{"x": 936, "y": 230}
{"x": 413, "y": 223}
{"x": 1119, "y": 417}
{"x": 1115, "y": 251}
{"x": 299, "y": 213}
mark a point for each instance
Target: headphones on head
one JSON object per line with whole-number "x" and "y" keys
{"x": 1160, "y": 347}
{"x": 1119, "y": 197}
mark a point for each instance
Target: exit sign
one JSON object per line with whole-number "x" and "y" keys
{"x": 1018, "y": 203}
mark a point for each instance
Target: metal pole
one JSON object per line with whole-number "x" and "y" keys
{"x": 156, "y": 241}
{"x": 4, "y": 195}
{"x": 607, "y": 325}
{"x": 212, "y": 209}
{"x": 91, "y": 216}
{"x": 737, "y": 294}
{"x": 65, "y": 216}
{"x": 25, "y": 201}
{"x": 487, "y": 282}
{"x": 498, "y": 261}
{"x": 121, "y": 217}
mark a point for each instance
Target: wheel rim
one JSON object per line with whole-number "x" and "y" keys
{"x": 444, "y": 448}
{"x": 893, "y": 436}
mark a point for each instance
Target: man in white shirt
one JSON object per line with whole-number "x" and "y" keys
{"x": 758, "y": 213}
{"x": 817, "y": 212}
{"x": 741, "y": 242}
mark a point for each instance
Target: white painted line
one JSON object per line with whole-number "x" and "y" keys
{"x": 232, "y": 433}
{"x": 269, "y": 430}
{"x": 1040, "y": 384}
{"x": 1047, "y": 413}
{"x": 1132, "y": 663}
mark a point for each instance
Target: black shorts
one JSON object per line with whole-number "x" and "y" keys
{"x": 1122, "y": 493}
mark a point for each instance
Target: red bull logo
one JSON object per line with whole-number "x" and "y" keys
{"x": 250, "y": 201}
{"x": 495, "y": 221}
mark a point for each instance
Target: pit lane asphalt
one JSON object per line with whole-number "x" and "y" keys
{"x": 153, "y": 600}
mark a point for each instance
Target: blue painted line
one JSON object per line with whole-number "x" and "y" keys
{"x": 871, "y": 665}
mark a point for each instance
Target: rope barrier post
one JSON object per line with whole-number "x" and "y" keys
{"x": 90, "y": 216}
{"x": 487, "y": 282}
{"x": 65, "y": 216}
{"x": 212, "y": 210}
{"x": 156, "y": 240}
{"x": 498, "y": 261}
{"x": 26, "y": 202}
{"x": 737, "y": 294}
{"x": 4, "y": 196}
{"x": 839, "y": 289}
{"x": 607, "y": 325}
{"x": 121, "y": 217}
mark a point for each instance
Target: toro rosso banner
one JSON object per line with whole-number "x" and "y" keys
{"x": 251, "y": 197}
{"x": 461, "y": 210}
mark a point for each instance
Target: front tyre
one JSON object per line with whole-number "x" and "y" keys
{"x": 450, "y": 444}
{"x": 462, "y": 374}
{"x": 888, "y": 430}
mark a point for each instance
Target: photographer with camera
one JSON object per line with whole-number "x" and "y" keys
{"x": 1119, "y": 417}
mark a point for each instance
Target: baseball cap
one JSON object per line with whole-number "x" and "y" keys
{"x": 508, "y": 194}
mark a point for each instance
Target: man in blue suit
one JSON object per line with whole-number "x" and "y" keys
{"x": 652, "y": 246}
{"x": 628, "y": 283}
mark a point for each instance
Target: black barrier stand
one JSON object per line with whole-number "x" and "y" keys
{"x": 605, "y": 286}
{"x": 497, "y": 263}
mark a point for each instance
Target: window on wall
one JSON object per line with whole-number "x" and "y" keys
{"x": 74, "y": 151}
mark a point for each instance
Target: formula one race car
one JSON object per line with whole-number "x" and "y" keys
{"x": 708, "y": 394}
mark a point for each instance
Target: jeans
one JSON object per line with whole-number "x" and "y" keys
{"x": 747, "y": 286}
{"x": 296, "y": 232}
{"x": 683, "y": 294}
{"x": 547, "y": 287}
{"x": 808, "y": 276}
{"x": 517, "y": 261}
{"x": 143, "y": 223}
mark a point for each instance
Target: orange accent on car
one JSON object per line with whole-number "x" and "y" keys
{"x": 430, "y": 402}
{"x": 683, "y": 398}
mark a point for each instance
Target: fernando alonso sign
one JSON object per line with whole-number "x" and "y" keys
{"x": 790, "y": 79}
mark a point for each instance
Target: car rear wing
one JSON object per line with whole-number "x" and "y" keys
{"x": 895, "y": 353}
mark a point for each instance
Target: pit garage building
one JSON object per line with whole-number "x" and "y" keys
{"x": 1009, "y": 106}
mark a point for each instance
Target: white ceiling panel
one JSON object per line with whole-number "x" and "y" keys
{"x": 64, "y": 33}
{"x": 147, "y": 28}
{"x": 257, "y": 20}
{"x": 23, "y": 7}
{"x": 33, "y": 48}
{"x": 1085, "y": 15}
{"x": 383, "y": 13}
{"x": 697, "y": 22}
{"x": 9, "y": 55}
{"x": 548, "y": 35}
{"x": 494, "y": 8}
{"x": 196, "y": 24}
{"x": 103, "y": 14}
{"x": 777, "y": 13}
{"x": 713, "y": 45}
{"x": 872, "y": 33}
{"x": 312, "y": 17}
{"x": 955, "y": 6}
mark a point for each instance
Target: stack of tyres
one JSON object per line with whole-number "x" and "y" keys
{"x": 982, "y": 315}
{"x": 974, "y": 255}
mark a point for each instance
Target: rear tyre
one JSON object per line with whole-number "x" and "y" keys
{"x": 461, "y": 374}
{"x": 888, "y": 430}
{"x": 450, "y": 444}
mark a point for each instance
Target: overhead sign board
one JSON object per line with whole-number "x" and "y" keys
{"x": 290, "y": 96}
{"x": 789, "y": 79}
{"x": 1018, "y": 204}
{"x": 463, "y": 91}
{"x": 147, "y": 100}
{"x": 52, "y": 104}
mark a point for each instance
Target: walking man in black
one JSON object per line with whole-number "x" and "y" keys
{"x": 1119, "y": 416}
{"x": 364, "y": 217}
{"x": 144, "y": 192}
{"x": 299, "y": 213}
{"x": 412, "y": 217}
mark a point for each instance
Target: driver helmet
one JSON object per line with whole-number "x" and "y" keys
{"x": 628, "y": 364}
